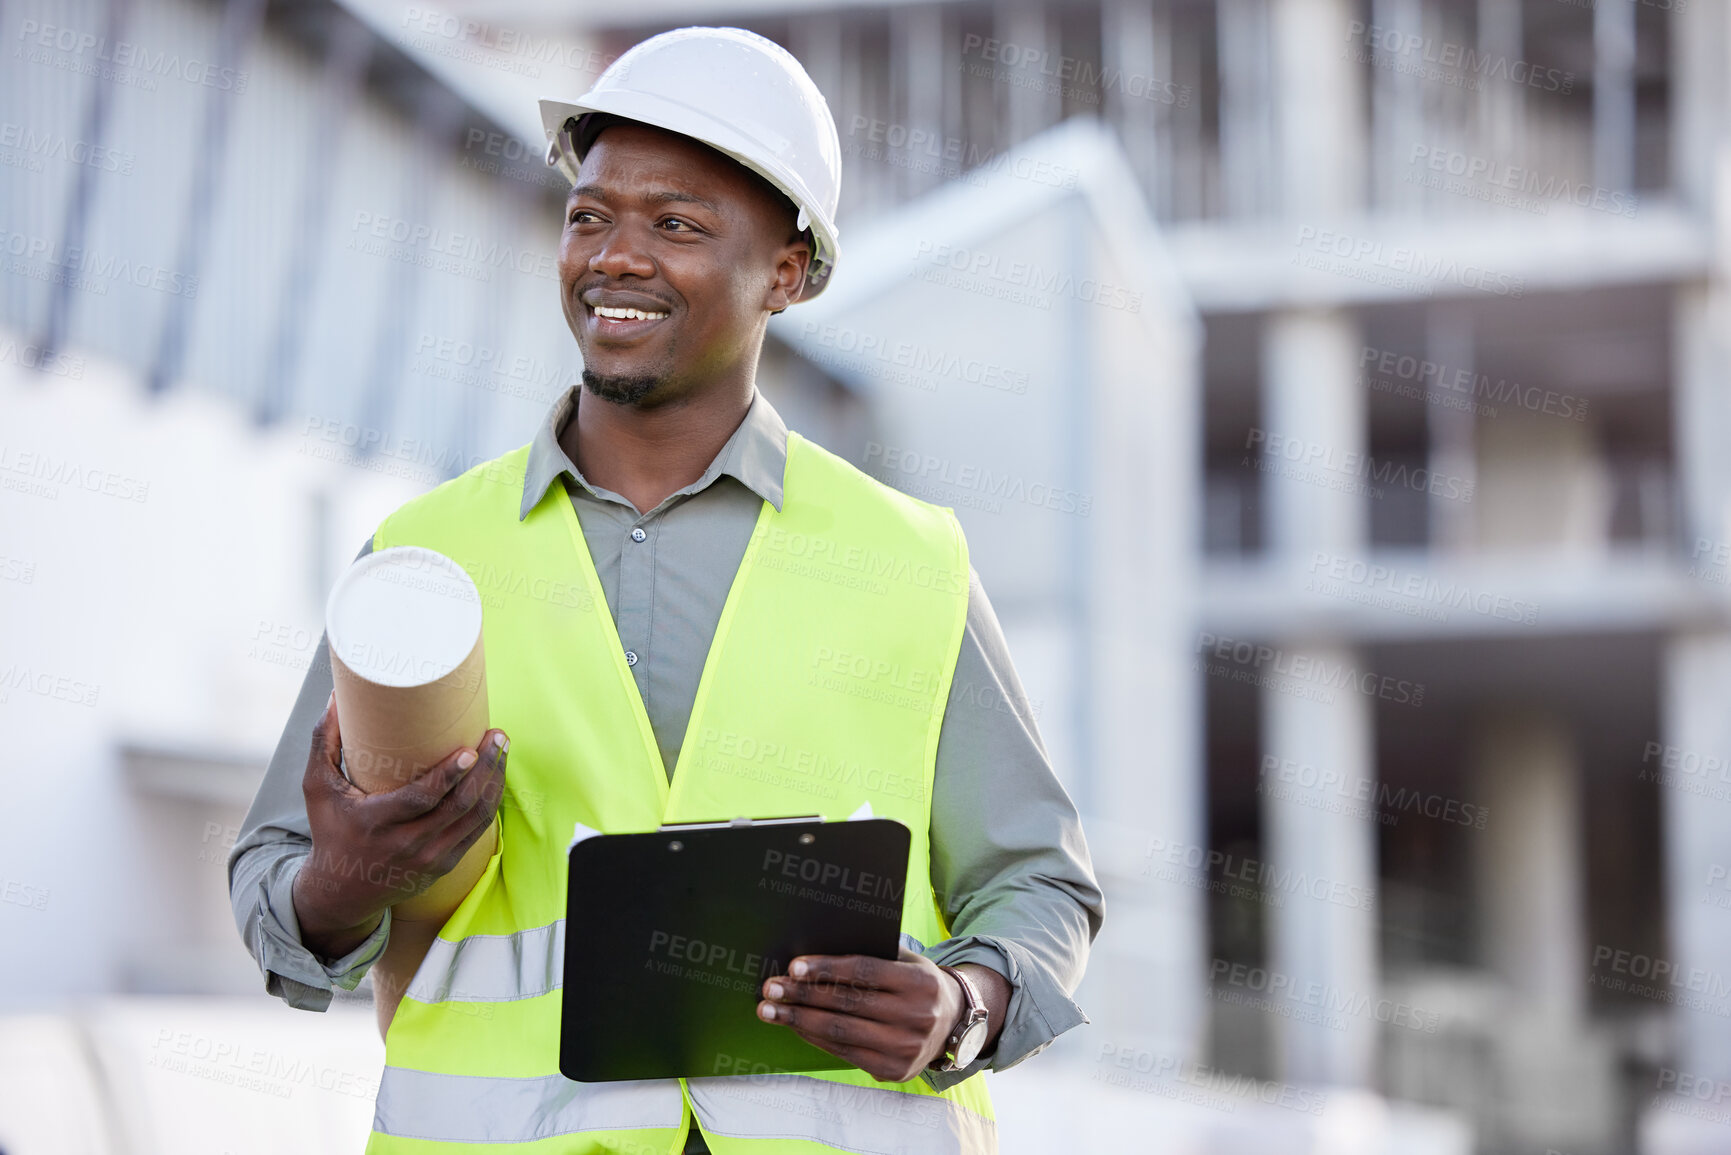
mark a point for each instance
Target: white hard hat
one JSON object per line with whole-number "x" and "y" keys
{"x": 739, "y": 93}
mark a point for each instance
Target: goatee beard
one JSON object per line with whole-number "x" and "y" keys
{"x": 619, "y": 390}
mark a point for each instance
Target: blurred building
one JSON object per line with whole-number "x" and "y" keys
{"x": 1334, "y": 394}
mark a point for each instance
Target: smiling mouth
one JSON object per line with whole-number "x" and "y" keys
{"x": 612, "y": 314}
{"x": 623, "y": 323}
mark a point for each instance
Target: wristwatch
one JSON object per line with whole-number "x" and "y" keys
{"x": 963, "y": 1045}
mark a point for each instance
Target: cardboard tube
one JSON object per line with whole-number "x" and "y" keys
{"x": 404, "y": 626}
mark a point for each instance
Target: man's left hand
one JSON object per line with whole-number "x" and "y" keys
{"x": 890, "y": 1019}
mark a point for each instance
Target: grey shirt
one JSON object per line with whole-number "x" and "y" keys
{"x": 1009, "y": 864}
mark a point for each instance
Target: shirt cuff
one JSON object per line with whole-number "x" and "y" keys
{"x": 1039, "y": 1009}
{"x": 294, "y": 973}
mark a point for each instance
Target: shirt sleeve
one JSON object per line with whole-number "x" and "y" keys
{"x": 1010, "y": 867}
{"x": 275, "y": 840}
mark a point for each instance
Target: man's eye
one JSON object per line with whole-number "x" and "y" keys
{"x": 679, "y": 226}
{"x": 578, "y": 216}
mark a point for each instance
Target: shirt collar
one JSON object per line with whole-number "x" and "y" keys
{"x": 755, "y": 455}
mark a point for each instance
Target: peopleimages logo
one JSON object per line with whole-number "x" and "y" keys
{"x": 16, "y": 570}
{"x": 831, "y": 884}
{"x": 1493, "y": 175}
{"x": 881, "y": 356}
{"x": 41, "y": 473}
{"x": 23, "y": 894}
{"x": 1678, "y": 768}
{"x": 1718, "y": 879}
{"x": 499, "y": 154}
{"x": 1303, "y": 674}
{"x": 1197, "y": 866}
{"x": 56, "y": 362}
{"x": 1466, "y": 66}
{"x": 951, "y": 155}
{"x": 59, "y": 687}
{"x": 1660, "y": 979}
{"x": 1306, "y": 785}
{"x": 466, "y": 254}
{"x": 1333, "y": 574}
{"x": 709, "y": 963}
{"x": 1365, "y": 258}
{"x": 1143, "y": 1070}
{"x": 87, "y": 269}
{"x": 529, "y": 50}
{"x": 1453, "y": 379}
{"x": 1332, "y": 1002}
{"x": 1090, "y": 78}
{"x": 964, "y": 268}
{"x": 821, "y": 773}
{"x": 1277, "y": 447}
{"x": 125, "y": 54}
{"x": 908, "y": 468}
{"x": 58, "y": 146}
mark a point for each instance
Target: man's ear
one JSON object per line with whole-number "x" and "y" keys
{"x": 790, "y": 270}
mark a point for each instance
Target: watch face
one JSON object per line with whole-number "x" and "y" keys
{"x": 968, "y": 1049}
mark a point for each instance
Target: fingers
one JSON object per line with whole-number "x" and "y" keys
{"x": 483, "y": 791}
{"x": 426, "y": 790}
{"x": 899, "y": 994}
{"x": 327, "y": 729}
{"x": 841, "y": 1035}
{"x": 446, "y": 849}
{"x": 480, "y": 821}
{"x": 850, "y": 998}
{"x": 879, "y": 1015}
{"x": 452, "y": 825}
{"x": 453, "y": 785}
{"x": 484, "y": 785}
{"x": 324, "y": 768}
{"x": 882, "y": 1051}
{"x": 857, "y": 970}
{"x": 490, "y": 782}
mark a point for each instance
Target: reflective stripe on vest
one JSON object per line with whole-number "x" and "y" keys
{"x": 824, "y": 690}
{"x": 501, "y": 968}
{"x": 478, "y": 1109}
{"x": 492, "y": 968}
{"x": 843, "y": 1116}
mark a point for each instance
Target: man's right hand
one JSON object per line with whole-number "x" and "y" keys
{"x": 372, "y": 851}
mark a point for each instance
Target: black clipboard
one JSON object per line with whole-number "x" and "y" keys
{"x": 670, "y": 935}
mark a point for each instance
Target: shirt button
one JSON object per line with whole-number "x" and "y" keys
{"x": 630, "y": 657}
{"x": 637, "y": 533}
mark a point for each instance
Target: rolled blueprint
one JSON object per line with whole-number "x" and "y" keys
{"x": 404, "y": 626}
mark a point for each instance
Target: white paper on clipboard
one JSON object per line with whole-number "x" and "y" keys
{"x": 580, "y": 833}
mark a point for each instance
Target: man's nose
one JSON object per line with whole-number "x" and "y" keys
{"x": 622, "y": 254}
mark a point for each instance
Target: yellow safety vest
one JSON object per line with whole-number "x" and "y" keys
{"x": 824, "y": 689}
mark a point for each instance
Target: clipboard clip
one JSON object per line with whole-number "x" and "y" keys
{"x": 740, "y": 821}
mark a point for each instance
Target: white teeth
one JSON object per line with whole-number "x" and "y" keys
{"x": 626, "y": 314}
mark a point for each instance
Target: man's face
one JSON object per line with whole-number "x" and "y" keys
{"x": 694, "y": 245}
